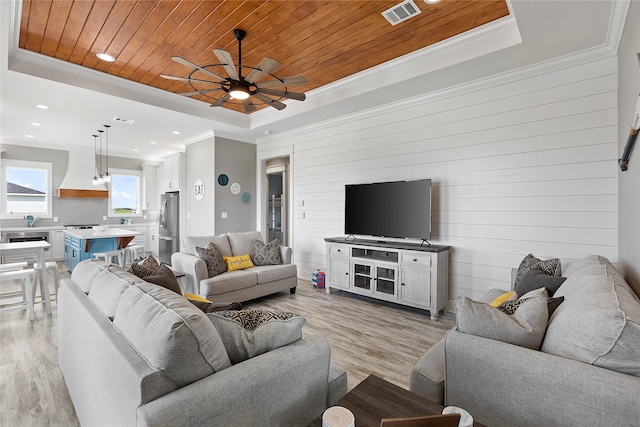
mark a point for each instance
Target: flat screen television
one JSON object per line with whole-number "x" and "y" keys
{"x": 400, "y": 209}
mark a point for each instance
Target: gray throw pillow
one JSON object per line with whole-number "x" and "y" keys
{"x": 550, "y": 267}
{"x": 164, "y": 277}
{"x": 249, "y": 333}
{"x": 213, "y": 258}
{"x": 265, "y": 253}
{"x": 525, "y": 327}
{"x": 536, "y": 278}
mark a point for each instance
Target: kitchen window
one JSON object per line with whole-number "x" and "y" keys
{"x": 125, "y": 193}
{"x": 25, "y": 189}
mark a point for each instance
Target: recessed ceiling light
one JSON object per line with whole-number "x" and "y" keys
{"x": 136, "y": 150}
{"x": 30, "y": 136}
{"x": 432, "y": 1}
{"x": 43, "y": 107}
{"x": 152, "y": 142}
{"x": 105, "y": 57}
{"x": 35, "y": 124}
{"x": 175, "y": 132}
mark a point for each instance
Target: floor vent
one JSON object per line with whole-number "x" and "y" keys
{"x": 401, "y": 12}
{"x": 123, "y": 120}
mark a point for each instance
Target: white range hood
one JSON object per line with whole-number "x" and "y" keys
{"x": 77, "y": 183}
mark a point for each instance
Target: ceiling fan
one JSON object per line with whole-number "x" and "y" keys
{"x": 247, "y": 88}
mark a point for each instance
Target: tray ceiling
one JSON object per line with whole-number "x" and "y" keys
{"x": 324, "y": 41}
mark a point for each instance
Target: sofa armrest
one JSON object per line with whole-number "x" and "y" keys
{"x": 285, "y": 253}
{"x": 287, "y": 386}
{"x": 194, "y": 269}
{"x": 506, "y": 385}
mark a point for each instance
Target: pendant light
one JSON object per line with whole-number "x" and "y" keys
{"x": 106, "y": 176}
{"x": 100, "y": 175}
{"x": 95, "y": 180}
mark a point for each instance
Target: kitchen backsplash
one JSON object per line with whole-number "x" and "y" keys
{"x": 79, "y": 211}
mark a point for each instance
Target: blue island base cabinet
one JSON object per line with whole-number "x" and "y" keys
{"x": 76, "y": 249}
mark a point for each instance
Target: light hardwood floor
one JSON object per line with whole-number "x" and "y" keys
{"x": 366, "y": 337}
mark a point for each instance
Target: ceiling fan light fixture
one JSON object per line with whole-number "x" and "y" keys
{"x": 239, "y": 91}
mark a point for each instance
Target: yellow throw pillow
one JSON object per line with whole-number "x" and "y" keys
{"x": 507, "y": 296}
{"x": 238, "y": 262}
{"x": 195, "y": 297}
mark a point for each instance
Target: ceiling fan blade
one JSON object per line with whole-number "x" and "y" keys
{"x": 197, "y": 67}
{"x": 287, "y": 81}
{"x": 199, "y": 92}
{"x": 248, "y": 105}
{"x": 186, "y": 79}
{"x": 275, "y": 104}
{"x": 227, "y": 62}
{"x": 266, "y": 66}
{"x": 285, "y": 94}
{"x": 221, "y": 101}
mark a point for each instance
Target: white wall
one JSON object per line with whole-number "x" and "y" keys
{"x": 629, "y": 203}
{"x": 520, "y": 163}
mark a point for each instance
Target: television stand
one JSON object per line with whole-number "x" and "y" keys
{"x": 404, "y": 273}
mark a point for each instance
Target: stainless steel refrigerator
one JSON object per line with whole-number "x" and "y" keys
{"x": 169, "y": 226}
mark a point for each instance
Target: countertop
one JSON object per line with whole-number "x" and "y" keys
{"x": 62, "y": 227}
{"x": 110, "y": 232}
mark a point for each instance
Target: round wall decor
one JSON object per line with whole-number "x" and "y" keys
{"x": 246, "y": 198}
{"x": 198, "y": 189}
{"x": 223, "y": 179}
{"x": 235, "y": 188}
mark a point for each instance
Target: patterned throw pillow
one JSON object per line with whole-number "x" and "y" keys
{"x": 265, "y": 253}
{"x": 249, "y": 333}
{"x": 510, "y": 307}
{"x": 213, "y": 258}
{"x": 550, "y": 267}
{"x": 145, "y": 267}
{"x": 238, "y": 262}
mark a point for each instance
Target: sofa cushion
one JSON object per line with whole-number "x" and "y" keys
{"x": 599, "y": 321}
{"x": 221, "y": 241}
{"x": 84, "y": 274}
{"x": 241, "y": 242}
{"x": 536, "y": 278}
{"x": 265, "y": 253}
{"x": 269, "y": 273}
{"x": 526, "y": 327}
{"x": 213, "y": 258}
{"x": 109, "y": 285}
{"x": 550, "y": 267}
{"x": 249, "y": 333}
{"x": 582, "y": 263}
{"x": 170, "y": 333}
{"x": 163, "y": 276}
{"x": 240, "y": 262}
{"x": 229, "y": 281}
{"x": 427, "y": 375}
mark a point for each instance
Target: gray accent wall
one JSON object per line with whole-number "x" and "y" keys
{"x": 238, "y": 161}
{"x": 629, "y": 181}
{"x": 199, "y": 164}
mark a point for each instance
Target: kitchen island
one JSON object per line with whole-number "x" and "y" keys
{"x": 83, "y": 244}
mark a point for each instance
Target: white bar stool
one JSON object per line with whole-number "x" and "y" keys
{"x": 131, "y": 254}
{"x": 27, "y": 290}
{"x": 108, "y": 256}
{"x": 13, "y": 266}
{"x": 51, "y": 266}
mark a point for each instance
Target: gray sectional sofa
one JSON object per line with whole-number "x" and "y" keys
{"x": 232, "y": 286}
{"x": 136, "y": 354}
{"x": 586, "y": 372}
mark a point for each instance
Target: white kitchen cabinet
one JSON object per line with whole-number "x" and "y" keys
{"x": 56, "y": 238}
{"x": 150, "y": 201}
{"x": 171, "y": 172}
{"x": 154, "y": 243}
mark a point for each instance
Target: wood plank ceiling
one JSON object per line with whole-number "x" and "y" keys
{"x": 324, "y": 41}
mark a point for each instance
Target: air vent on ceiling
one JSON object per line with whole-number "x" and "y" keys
{"x": 123, "y": 120}
{"x": 401, "y": 12}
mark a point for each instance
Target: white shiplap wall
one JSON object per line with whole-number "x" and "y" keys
{"x": 521, "y": 163}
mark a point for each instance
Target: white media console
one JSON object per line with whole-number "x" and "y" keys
{"x": 404, "y": 273}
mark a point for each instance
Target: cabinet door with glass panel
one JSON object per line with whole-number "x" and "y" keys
{"x": 385, "y": 282}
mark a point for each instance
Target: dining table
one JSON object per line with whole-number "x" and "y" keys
{"x": 32, "y": 248}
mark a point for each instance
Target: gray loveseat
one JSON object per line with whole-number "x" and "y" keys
{"x": 137, "y": 354}
{"x": 230, "y": 286}
{"x": 586, "y": 373}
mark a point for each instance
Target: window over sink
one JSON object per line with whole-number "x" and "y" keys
{"x": 125, "y": 192}
{"x": 25, "y": 189}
